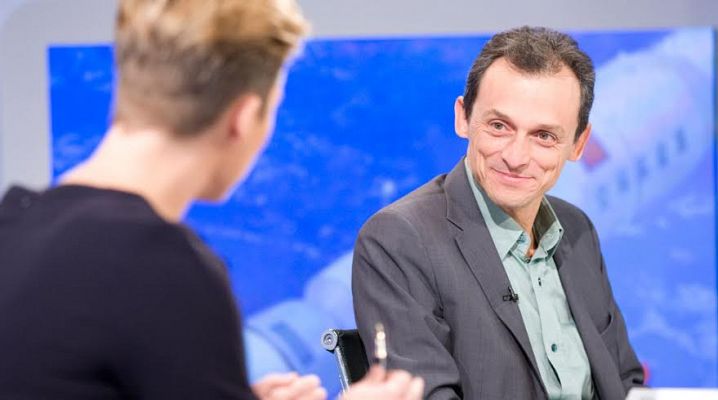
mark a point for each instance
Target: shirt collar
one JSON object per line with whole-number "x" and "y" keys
{"x": 507, "y": 233}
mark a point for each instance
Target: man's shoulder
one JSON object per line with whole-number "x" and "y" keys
{"x": 423, "y": 204}
{"x": 568, "y": 214}
{"x": 562, "y": 206}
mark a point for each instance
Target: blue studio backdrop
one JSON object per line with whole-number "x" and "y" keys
{"x": 366, "y": 121}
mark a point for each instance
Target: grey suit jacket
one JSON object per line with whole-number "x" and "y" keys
{"x": 426, "y": 267}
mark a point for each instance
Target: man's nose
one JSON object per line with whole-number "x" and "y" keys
{"x": 516, "y": 153}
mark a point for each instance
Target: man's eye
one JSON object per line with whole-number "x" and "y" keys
{"x": 498, "y": 126}
{"x": 547, "y": 137}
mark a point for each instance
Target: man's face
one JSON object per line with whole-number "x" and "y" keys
{"x": 521, "y": 132}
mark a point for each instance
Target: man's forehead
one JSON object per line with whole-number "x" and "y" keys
{"x": 546, "y": 100}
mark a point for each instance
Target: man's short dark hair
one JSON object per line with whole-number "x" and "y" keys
{"x": 535, "y": 50}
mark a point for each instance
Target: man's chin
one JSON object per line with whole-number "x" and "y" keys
{"x": 511, "y": 200}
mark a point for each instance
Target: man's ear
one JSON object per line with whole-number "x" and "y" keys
{"x": 461, "y": 124}
{"x": 580, "y": 144}
{"x": 245, "y": 115}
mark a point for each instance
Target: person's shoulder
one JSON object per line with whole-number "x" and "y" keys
{"x": 569, "y": 214}
{"x": 106, "y": 217}
{"x": 114, "y": 229}
{"x": 428, "y": 199}
{"x": 424, "y": 205}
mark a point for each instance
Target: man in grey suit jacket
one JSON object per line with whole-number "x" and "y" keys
{"x": 488, "y": 288}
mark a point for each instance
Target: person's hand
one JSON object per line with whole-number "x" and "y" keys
{"x": 289, "y": 387}
{"x": 380, "y": 384}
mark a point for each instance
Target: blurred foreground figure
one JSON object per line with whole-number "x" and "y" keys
{"x": 103, "y": 292}
{"x": 497, "y": 290}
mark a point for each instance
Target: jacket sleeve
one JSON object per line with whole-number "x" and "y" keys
{"x": 393, "y": 283}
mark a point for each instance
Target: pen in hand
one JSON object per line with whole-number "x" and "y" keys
{"x": 378, "y": 383}
{"x": 380, "y": 353}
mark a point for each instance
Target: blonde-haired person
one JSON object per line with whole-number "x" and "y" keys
{"x": 103, "y": 292}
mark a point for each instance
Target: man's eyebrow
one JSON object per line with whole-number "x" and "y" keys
{"x": 495, "y": 113}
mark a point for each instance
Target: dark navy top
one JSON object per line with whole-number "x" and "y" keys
{"x": 100, "y": 298}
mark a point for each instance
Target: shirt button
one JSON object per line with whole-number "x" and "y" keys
{"x": 539, "y": 281}
{"x": 554, "y": 347}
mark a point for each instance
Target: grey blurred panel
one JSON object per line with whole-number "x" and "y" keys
{"x": 24, "y": 105}
{"x": 417, "y": 17}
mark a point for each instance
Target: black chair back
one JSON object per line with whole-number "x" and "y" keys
{"x": 349, "y": 351}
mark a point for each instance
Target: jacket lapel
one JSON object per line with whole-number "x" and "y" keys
{"x": 603, "y": 370}
{"x": 475, "y": 243}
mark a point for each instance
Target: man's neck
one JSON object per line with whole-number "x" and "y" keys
{"x": 526, "y": 217}
{"x": 148, "y": 163}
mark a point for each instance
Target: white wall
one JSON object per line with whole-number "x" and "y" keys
{"x": 7, "y": 6}
{"x": 27, "y": 26}
{"x": 368, "y": 17}
{"x": 396, "y": 17}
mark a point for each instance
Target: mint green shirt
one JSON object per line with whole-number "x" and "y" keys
{"x": 556, "y": 344}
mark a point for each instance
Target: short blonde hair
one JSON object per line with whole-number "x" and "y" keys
{"x": 182, "y": 62}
